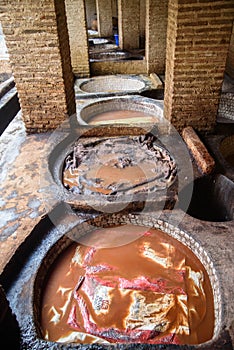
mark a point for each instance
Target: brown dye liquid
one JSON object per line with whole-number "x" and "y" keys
{"x": 154, "y": 255}
{"x": 122, "y": 116}
{"x": 130, "y": 176}
{"x": 124, "y": 165}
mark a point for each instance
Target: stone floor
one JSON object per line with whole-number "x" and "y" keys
{"x": 21, "y": 201}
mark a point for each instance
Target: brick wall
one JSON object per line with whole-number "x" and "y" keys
{"x": 129, "y": 24}
{"x": 230, "y": 57}
{"x": 104, "y": 17}
{"x": 156, "y": 32}
{"x": 197, "y": 44}
{"x": 77, "y": 29}
{"x": 118, "y": 67}
{"x": 37, "y": 41}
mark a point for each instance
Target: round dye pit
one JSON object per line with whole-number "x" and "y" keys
{"x": 121, "y": 110}
{"x": 118, "y": 165}
{"x": 227, "y": 150}
{"x": 149, "y": 289}
{"x": 121, "y": 117}
{"x": 107, "y": 56}
{"x": 99, "y": 41}
{"x": 212, "y": 199}
{"x": 112, "y": 84}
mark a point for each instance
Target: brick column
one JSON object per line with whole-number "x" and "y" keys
{"x": 156, "y": 32}
{"x": 129, "y": 24}
{"x": 104, "y": 17}
{"x": 230, "y": 57}
{"x": 90, "y": 9}
{"x": 78, "y": 37}
{"x": 37, "y": 40}
{"x": 197, "y": 45}
{"x": 142, "y": 24}
{"x": 114, "y": 6}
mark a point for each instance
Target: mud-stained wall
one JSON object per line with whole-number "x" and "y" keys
{"x": 37, "y": 41}
{"x": 197, "y": 44}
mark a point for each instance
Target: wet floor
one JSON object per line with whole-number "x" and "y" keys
{"x": 21, "y": 200}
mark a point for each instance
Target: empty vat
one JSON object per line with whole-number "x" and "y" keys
{"x": 111, "y": 85}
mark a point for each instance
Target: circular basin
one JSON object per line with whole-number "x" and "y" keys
{"x": 112, "y": 84}
{"x": 118, "y": 166}
{"x": 108, "y": 56}
{"x": 99, "y": 41}
{"x": 88, "y": 280}
{"x": 121, "y": 110}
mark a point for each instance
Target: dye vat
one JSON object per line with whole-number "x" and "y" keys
{"x": 98, "y": 41}
{"x": 150, "y": 289}
{"x": 212, "y": 199}
{"x": 111, "y": 85}
{"x": 128, "y": 110}
{"x": 227, "y": 150}
{"x": 118, "y": 165}
{"x": 108, "y": 56}
{"x": 121, "y": 117}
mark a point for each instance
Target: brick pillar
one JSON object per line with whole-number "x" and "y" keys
{"x": 197, "y": 45}
{"x": 230, "y": 57}
{"x": 90, "y": 9}
{"x": 129, "y": 24}
{"x": 156, "y": 32}
{"x": 78, "y": 37}
{"x": 142, "y": 23}
{"x": 104, "y": 17}
{"x": 114, "y": 6}
{"x": 37, "y": 40}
